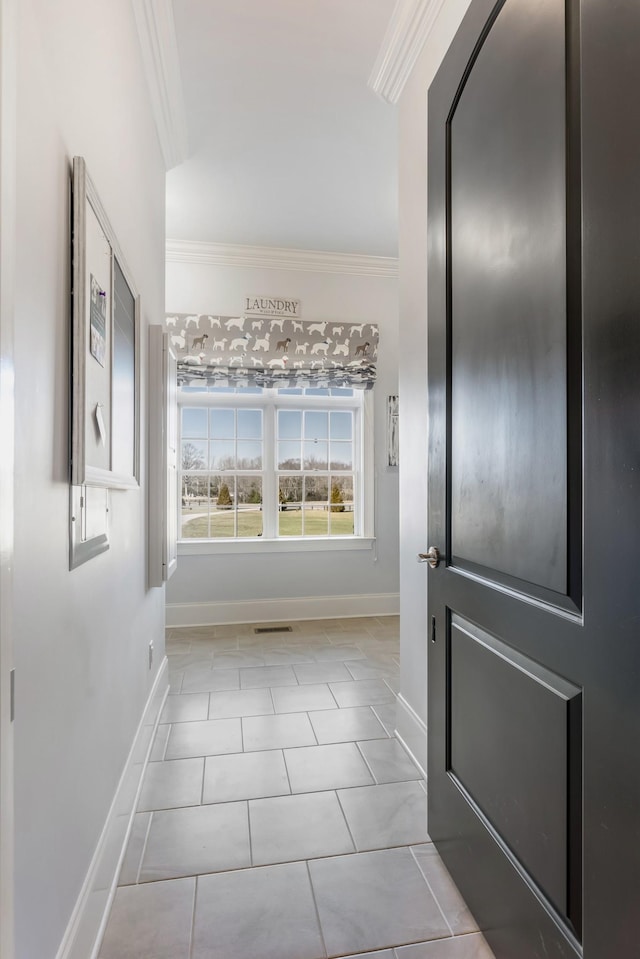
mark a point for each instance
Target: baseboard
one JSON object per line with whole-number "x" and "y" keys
{"x": 84, "y": 932}
{"x": 411, "y": 732}
{"x": 282, "y": 610}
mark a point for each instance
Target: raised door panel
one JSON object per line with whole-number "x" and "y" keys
{"x": 508, "y": 301}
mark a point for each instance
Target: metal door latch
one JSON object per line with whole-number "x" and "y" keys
{"x": 432, "y": 557}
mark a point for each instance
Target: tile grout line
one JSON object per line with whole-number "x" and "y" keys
{"x": 373, "y": 775}
{"x": 166, "y": 743}
{"x": 144, "y": 849}
{"x": 287, "y": 862}
{"x": 317, "y": 911}
{"x": 435, "y": 898}
{"x": 338, "y": 706}
{"x": 273, "y": 702}
{"x": 344, "y": 816}
{"x": 250, "y": 836}
{"x": 204, "y": 766}
{"x": 315, "y": 735}
{"x": 193, "y": 917}
{"x": 286, "y": 769}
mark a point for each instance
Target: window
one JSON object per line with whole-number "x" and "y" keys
{"x": 278, "y": 464}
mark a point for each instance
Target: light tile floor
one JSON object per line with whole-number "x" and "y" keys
{"x": 279, "y": 817}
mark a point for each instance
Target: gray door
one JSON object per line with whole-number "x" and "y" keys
{"x": 534, "y": 473}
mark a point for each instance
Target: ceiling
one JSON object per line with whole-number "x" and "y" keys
{"x": 288, "y": 147}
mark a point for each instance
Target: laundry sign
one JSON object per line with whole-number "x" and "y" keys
{"x": 271, "y": 306}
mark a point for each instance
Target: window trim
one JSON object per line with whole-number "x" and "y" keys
{"x": 364, "y": 479}
{"x": 290, "y": 544}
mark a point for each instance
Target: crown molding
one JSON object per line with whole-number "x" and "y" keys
{"x": 411, "y": 23}
{"x": 277, "y": 258}
{"x": 157, "y": 33}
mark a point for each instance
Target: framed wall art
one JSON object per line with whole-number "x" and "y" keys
{"x": 105, "y": 394}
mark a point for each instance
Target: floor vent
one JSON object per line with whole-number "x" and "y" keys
{"x": 273, "y": 629}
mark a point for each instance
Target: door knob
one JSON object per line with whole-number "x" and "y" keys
{"x": 432, "y": 557}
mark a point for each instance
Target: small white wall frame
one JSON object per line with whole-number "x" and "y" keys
{"x": 393, "y": 451}
{"x": 105, "y": 423}
{"x": 163, "y": 458}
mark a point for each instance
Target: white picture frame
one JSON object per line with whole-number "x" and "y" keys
{"x": 163, "y": 458}
{"x": 393, "y": 433}
{"x": 105, "y": 394}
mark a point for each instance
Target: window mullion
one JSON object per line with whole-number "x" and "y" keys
{"x": 269, "y": 482}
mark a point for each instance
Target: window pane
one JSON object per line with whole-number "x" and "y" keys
{"x": 316, "y": 425}
{"x": 316, "y": 510}
{"x": 316, "y": 520}
{"x": 194, "y": 455}
{"x": 290, "y": 506}
{"x": 341, "y": 457}
{"x": 289, "y": 424}
{"x": 249, "y": 505}
{"x": 222, "y": 455}
{"x": 222, "y": 424}
{"x": 194, "y": 508}
{"x": 290, "y": 491}
{"x": 193, "y": 389}
{"x": 249, "y": 454}
{"x": 338, "y": 391}
{"x": 315, "y": 455}
{"x": 194, "y": 422}
{"x": 249, "y": 424}
{"x": 222, "y": 502}
{"x": 341, "y": 515}
{"x": 341, "y": 426}
{"x": 289, "y": 455}
{"x": 316, "y": 489}
{"x": 316, "y": 392}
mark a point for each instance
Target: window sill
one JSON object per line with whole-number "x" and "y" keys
{"x": 202, "y": 547}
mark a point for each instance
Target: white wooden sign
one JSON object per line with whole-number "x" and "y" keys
{"x": 271, "y": 306}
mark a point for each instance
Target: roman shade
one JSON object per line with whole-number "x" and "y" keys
{"x": 271, "y": 351}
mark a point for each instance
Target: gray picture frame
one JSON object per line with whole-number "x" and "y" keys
{"x": 105, "y": 421}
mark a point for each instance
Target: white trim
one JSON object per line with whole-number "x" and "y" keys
{"x": 83, "y": 936}
{"x": 159, "y": 45}
{"x": 411, "y": 732}
{"x": 205, "y": 547}
{"x": 411, "y": 23}
{"x": 282, "y": 610}
{"x": 8, "y": 216}
{"x": 277, "y": 258}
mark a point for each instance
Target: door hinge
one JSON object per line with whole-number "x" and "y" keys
{"x": 12, "y": 695}
{"x": 433, "y": 629}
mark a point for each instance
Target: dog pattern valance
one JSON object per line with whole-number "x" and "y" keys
{"x": 272, "y": 351}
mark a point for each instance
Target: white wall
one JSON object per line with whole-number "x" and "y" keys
{"x": 412, "y": 714}
{"x": 203, "y": 288}
{"x": 80, "y": 637}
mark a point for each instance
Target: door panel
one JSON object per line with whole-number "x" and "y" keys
{"x": 534, "y": 473}
{"x": 507, "y": 236}
{"x": 512, "y": 724}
